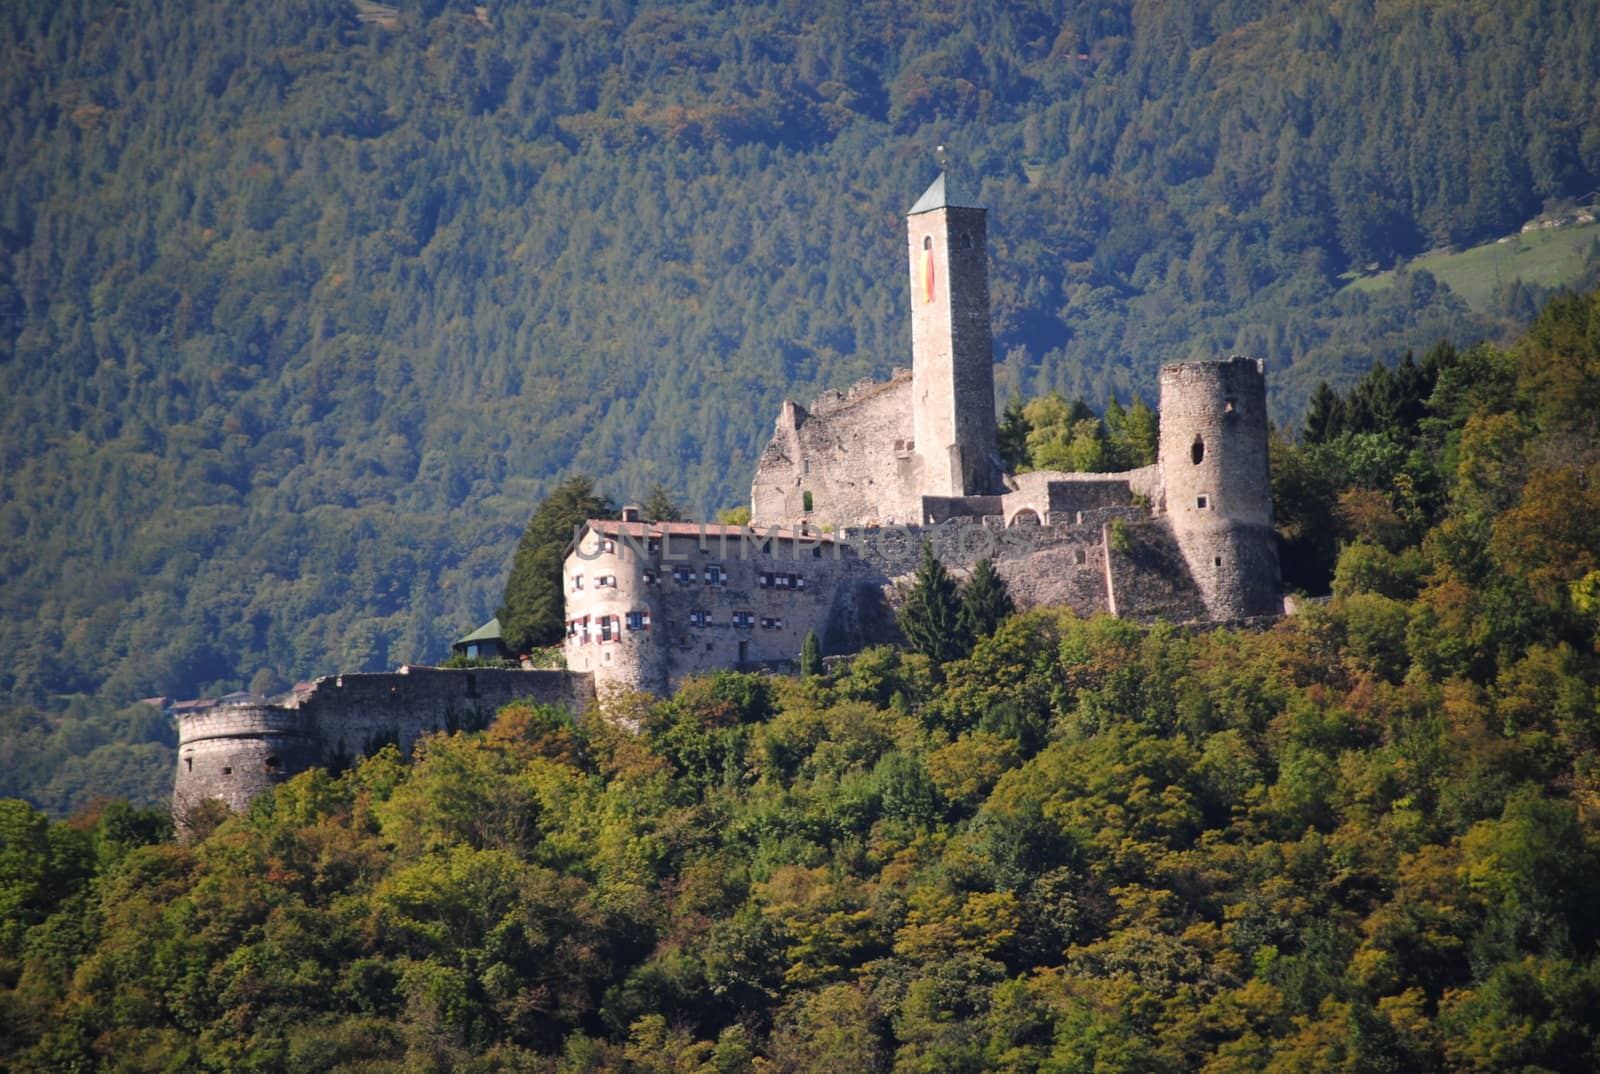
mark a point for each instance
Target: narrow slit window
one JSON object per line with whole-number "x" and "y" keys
{"x": 1198, "y": 451}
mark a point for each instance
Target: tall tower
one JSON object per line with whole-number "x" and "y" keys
{"x": 952, "y": 355}
{"x": 1217, "y": 485}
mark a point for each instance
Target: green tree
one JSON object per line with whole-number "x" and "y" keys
{"x": 1013, "y": 439}
{"x": 533, "y": 605}
{"x": 986, "y": 602}
{"x": 660, "y": 505}
{"x": 811, "y": 655}
{"x": 932, "y": 619}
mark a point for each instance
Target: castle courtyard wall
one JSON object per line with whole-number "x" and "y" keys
{"x": 236, "y": 752}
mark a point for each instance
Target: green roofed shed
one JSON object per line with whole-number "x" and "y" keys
{"x": 484, "y": 642}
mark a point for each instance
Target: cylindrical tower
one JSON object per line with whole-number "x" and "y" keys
{"x": 1217, "y": 483}
{"x": 235, "y": 752}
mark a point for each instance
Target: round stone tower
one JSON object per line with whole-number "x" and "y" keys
{"x": 1217, "y": 483}
{"x": 236, "y": 752}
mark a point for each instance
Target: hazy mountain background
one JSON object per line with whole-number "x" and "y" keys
{"x": 303, "y": 305}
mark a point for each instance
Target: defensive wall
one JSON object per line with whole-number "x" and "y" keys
{"x": 235, "y": 752}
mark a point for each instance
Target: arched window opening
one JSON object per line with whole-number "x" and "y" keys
{"x": 927, "y": 242}
{"x": 1198, "y": 451}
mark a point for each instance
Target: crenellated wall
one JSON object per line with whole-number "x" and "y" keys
{"x": 236, "y": 752}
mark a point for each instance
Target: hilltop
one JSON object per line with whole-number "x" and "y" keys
{"x": 304, "y": 306}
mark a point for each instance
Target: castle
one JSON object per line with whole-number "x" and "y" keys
{"x": 843, "y": 498}
{"x": 847, "y": 491}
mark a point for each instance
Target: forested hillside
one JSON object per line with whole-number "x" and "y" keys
{"x": 1365, "y": 840}
{"x": 301, "y": 309}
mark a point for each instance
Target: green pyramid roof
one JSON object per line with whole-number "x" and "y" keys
{"x": 489, "y": 631}
{"x": 943, "y": 194}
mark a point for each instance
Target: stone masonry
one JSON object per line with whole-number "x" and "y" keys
{"x": 235, "y": 752}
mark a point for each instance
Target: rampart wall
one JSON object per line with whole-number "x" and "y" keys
{"x": 235, "y": 752}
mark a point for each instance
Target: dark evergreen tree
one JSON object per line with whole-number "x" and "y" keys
{"x": 660, "y": 505}
{"x": 811, "y": 655}
{"x": 532, "y": 608}
{"x": 986, "y": 602}
{"x": 1013, "y": 438}
{"x": 932, "y": 618}
{"x": 1324, "y": 416}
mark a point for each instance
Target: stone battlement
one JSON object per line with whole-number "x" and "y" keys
{"x": 235, "y": 752}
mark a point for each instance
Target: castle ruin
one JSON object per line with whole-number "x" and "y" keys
{"x": 865, "y": 476}
{"x": 843, "y": 497}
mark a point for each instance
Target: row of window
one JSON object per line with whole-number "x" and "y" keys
{"x": 742, "y": 620}
{"x": 712, "y": 575}
{"x": 653, "y": 545}
{"x": 605, "y": 627}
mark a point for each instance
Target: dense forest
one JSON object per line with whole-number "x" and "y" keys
{"x": 304, "y": 305}
{"x": 1364, "y": 840}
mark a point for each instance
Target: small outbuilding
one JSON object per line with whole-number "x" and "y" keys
{"x": 483, "y": 644}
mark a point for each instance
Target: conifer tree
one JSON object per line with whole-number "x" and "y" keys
{"x": 533, "y": 606}
{"x": 660, "y": 505}
{"x": 1012, "y": 437}
{"x": 1324, "y": 416}
{"x": 810, "y": 655}
{"x": 986, "y": 602}
{"x": 932, "y": 619}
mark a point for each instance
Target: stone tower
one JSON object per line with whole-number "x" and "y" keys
{"x": 952, "y": 359}
{"x": 1215, "y": 478}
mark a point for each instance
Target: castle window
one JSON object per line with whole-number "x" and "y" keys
{"x": 188, "y": 764}
{"x": 638, "y": 620}
{"x": 1081, "y": 556}
{"x": 806, "y": 502}
{"x": 927, "y": 242}
{"x": 805, "y": 466}
{"x": 715, "y": 575}
{"x": 1217, "y": 561}
{"x": 605, "y": 627}
{"x": 577, "y": 581}
{"x": 699, "y": 618}
{"x": 1202, "y": 502}
{"x": 1198, "y": 451}
{"x": 652, "y": 577}
{"x": 227, "y": 769}
{"x": 745, "y": 620}
{"x": 767, "y": 579}
{"x": 771, "y": 623}
{"x": 608, "y": 546}
{"x": 683, "y": 575}
{"x": 271, "y": 764}
{"x": 606, "y": 581}
{"x": 653, "y": 545}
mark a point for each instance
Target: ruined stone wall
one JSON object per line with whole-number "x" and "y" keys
{"x": 235, "y": 752}
{"x": 1217, "y": 483}
{"x": 851, "y": 451}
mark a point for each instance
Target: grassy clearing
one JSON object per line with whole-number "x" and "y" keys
{"x": 1548, "y": 258}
